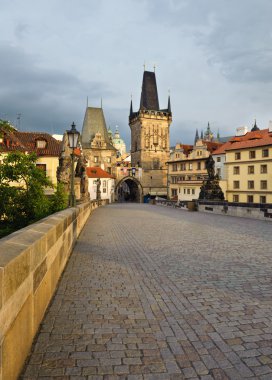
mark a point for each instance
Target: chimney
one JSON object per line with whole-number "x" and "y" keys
{"x": 241, "y": 131}
{"x": 270, "y": 125}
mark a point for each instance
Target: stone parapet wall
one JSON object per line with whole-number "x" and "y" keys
{"x": 244, "y": 211}
{"x": 31, "y": 263}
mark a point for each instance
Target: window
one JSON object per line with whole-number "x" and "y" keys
{"x": 188, "y": 191}
{"x": 237, "y": 156}
{"x": 104, "y": 184}
{"x": 265, "y": 153}
{"x": 250, "y": 169}
{"x": 108, "y": 159}
{"x": 174, "y": 179}
{"x": 174, "y": 167}
{"x": 236, "y": 170}
{"x": 41, "y": 166}
{"x": 95, "y": 158}
{"x": 250, "y": 184}
{"x": 41, "y": 144}
{"x": 182, "y": 166}
{"x": 184, "y": 191}
{"x": 199, "y": 166}
{"x": 104, "y": 190}
{"x": 174, "y": 192}
{"x": 263, "y": 169}
{"x": 250, "y": 199}
{"x": 193, "y": 191}
{"x": 235, "y": 198}
{"x": 218, "y": 172}
{"x": 252, "y": 154}
{"x": 263, "y": 185}
{"x": 156, "y": 163}
{"x": 262, "y": 199}
{"x": 109, "y": 170}
{"x": 190, "y": 166}
{"x": 200, "y": 153}
{"x": 236, "y": 184}
{"x": 218, "y": 159}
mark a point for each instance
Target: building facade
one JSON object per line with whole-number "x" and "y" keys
{"x": 101, "y": 184}
{"x": 187, "y": 170}
{"x": 150, "y": 147}
{"x": 42, "y": 144}
{"x": 249, "y": 167}
{"x": 96, "y": 144}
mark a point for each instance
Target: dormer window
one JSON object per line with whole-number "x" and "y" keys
{"x": 41, "y": 144}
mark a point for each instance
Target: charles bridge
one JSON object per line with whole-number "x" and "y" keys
{"x": 148, "y": 292}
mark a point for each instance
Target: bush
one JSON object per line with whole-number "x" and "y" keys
{"x": 22, "y": 198}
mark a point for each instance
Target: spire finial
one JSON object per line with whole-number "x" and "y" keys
{"x": 154, "y": 68}
{"x": 101, "y": 103}
{"x": 144, "y": 65}
{"x": 87, "y": 101}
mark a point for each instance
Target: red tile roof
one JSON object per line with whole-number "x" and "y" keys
{"x": 96, "y": 172}
{"x": 27, "y": 142}
{"x": 212, "y": 145}
{"x": 250, "y": 140}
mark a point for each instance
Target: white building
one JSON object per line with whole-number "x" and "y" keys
{"x": 100, "y": 179}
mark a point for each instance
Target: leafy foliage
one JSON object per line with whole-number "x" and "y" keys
{"x": 6, "y": 126}
{"x": 22, "y": 198}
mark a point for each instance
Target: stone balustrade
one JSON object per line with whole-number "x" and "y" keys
{"x": 31, "y": 263}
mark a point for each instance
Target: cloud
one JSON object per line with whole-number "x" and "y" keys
{"x": 44, "y": 97}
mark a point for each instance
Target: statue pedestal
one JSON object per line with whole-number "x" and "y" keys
{"x": 210, "y": 190}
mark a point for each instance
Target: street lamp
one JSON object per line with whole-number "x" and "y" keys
{"x": 73, "y": 136}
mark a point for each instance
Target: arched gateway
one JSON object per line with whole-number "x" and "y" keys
{"x": 129, "y": 189}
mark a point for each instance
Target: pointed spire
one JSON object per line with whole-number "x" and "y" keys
{"x": 201, "y": 136}
{"x": 218, "y": 134}
{"x": 101, "y": 103}
{"x": 131, "y": 108}
{"x": 169, "y": 104}
{"x": 87, "y": 101}
{"x": 196, "y": 136}
{"x": 208, "y": 127}
{"x": 149, "y": 95}
{"x": 255, "y": 127}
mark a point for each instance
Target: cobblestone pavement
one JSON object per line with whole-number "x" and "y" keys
{"x": 158, "y": 293}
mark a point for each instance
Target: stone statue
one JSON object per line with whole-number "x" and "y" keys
{"x": 210, "y": 166}
{"x": 64, "y": 170}
{"x": 84, "y": 181}
{"x": 98, "y": 191}
{"x": 210, "y": 188}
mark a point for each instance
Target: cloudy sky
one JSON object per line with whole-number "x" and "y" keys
{"x": 215, "y": 56}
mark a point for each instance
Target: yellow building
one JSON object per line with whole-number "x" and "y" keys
{"x": 187, "y": 169}
{"x": 44, "y": 145}
{"x": 249, "y": 167}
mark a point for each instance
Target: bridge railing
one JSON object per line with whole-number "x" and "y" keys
{"x": 31, "y": 263}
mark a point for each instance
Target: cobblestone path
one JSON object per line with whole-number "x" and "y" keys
{"x": 158, "y": 293}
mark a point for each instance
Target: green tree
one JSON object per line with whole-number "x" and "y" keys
{"x": 22, "y": 198}
{"x": 59, "y": 200}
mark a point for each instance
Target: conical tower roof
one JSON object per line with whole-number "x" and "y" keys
{"x": 94, "y": 122}
{"x": 149, "y": 96}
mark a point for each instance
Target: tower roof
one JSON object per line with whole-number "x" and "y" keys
{"x": 149, "y": 96}
{"x": 94, "y": 122}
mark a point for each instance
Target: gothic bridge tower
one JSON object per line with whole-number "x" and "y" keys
{"x": 150, "y": 146}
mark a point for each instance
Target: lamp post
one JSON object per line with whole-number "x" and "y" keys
{"x": 73, "y": 136}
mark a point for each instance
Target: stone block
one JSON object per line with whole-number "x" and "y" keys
{"x": 15, "y": 271}
{"x": 1, "y": 286}
{"x": 41, "y": 300}
{"x": 39, "y": 274}
{"x": 17, "y": 342}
